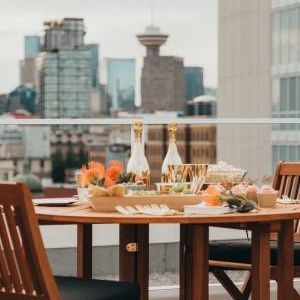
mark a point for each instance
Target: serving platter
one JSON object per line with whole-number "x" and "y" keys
{"x": 173, "y": 201}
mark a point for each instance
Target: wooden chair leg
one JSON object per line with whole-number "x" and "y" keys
{"x": 227, "y": 284}
{"x": 246, "y": 288}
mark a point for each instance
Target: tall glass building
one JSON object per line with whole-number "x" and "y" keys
{"x": 32, "y": 46}
{"x": 193, "y": 82}
{"x": 121, "y": 83}
{"x": 66, "y": 83}
{"x": 94, "y": 48}
{"x": 68, "y": 71}
{"x": 286, "y": 78}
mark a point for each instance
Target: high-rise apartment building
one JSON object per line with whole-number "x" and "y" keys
{"x": 245, "y": 83}
{"x": 162, "y": 82}
{"x": 68, "y": 71}
{"x": 286, "y": 78}
{"x": 193, "y": 82}
{"x": 121, "y": 82}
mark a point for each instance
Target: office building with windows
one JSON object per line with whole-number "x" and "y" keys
{"x": 193, "y": 82}
{"x": 121, "y": 83}
{"x": 65, "y": 83}
{"x": 244, "y": 83}
{"x": 68, "y": 71}
{"x": 286, "y": 78}
{"x": 94, "y": 49}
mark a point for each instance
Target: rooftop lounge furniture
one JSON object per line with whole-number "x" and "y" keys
{"x": 236, "y": 254}
{"x": 25, "y": 272}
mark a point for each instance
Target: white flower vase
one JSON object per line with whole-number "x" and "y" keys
{"x": 82, "y": 194}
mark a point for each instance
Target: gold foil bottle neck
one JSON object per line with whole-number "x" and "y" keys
{"x": 172, "y": 128}
{"x": 138, "y": 130}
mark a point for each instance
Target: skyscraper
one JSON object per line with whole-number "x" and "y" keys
{"x": 32, "y": 46}
{"x": 193, "y": 82}
{"x": 69, "y": 33}
{"x": 94, "y": 48}
{"x": 286, "y": 79}
{"x": 162, "y": 82}
{"x": 66, "y": 71}
{"x": 245, "y": 83}
{"x": 28, "y": 72}
{"x": 121, "y": 81}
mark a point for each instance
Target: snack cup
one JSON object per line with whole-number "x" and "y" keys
{"x": 267, "y": 200}
{"x": 252, "y": 195}
{"x": 164, "y": 188}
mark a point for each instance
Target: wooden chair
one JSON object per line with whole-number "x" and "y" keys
{"x": 24, "y": 268}
{"x": 236, "y": 254}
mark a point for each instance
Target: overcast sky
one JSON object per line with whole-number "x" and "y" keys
{"x": 192, "y": 25}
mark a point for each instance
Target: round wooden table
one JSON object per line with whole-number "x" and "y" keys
{"x": 194, "y": 245}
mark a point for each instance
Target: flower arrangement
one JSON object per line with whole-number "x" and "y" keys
{"x": 96, "y": 174}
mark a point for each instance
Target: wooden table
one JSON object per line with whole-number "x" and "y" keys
{"x": 194, "y": 241}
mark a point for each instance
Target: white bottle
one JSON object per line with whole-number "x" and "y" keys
{"x": 172, "y": 156}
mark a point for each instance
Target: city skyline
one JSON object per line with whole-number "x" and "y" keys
{"x": 107, "y": 24}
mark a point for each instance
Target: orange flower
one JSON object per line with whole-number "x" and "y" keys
{"x": 96, "y": 172}
{"x": 108, "y": 181}
{"x": 112, "y": 174}
{"x": 97, "y": 169}
{"x": 115, "y": 163}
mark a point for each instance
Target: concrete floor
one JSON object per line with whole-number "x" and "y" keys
{"x": 216, "y": 292}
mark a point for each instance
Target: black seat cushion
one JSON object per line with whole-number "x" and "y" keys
{"x": 239, "y": 251}
{"x": 72, "y": 288}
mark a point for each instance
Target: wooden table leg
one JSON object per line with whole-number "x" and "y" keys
{"x": 193, "y": 262}
{"x": 285, "y": 261}
{"x": 84, "y": 250}
{"x": 260, "y": 252}
{"x": 134, "y": 256}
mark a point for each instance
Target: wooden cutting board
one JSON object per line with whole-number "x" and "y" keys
{"x": 177, "y": 202}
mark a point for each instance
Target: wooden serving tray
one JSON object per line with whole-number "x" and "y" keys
{"x": 177, "y": 202}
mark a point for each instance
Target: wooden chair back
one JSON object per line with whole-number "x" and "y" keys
{"x": 24, "y": 268}
{"x": 287, "y": 182}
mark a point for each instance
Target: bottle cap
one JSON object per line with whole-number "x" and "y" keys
{"x": 172, "y": 128}
{"x": 138, "y": 129}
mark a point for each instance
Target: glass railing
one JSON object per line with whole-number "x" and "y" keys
{"x": 53, "y": 149}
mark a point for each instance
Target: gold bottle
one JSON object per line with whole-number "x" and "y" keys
{"x": 138, "y": 169}
{"x": 172, "y": 159}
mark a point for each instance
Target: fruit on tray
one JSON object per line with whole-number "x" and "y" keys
{"x": 116, "y": 190}
{"x": 97, "y": 191}
{"x": 212, "y": 196}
